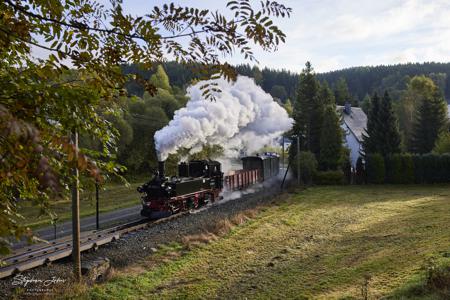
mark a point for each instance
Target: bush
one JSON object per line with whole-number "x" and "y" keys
{"x": 375, "y": 168}
{"x": 408, "y": 169}
{"x": 393, "y": 165}
{"x": 419, "y": 172}
{"x": 329, "y": 178}
{"x": 308, "y": 166}
{"x": 399, "y": 168}
{"x": 360, "y": 172}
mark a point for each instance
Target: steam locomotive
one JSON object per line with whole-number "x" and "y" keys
{"x": 200, "y": 182}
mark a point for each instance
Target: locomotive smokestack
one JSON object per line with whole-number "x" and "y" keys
{"x": 161, "y": 169}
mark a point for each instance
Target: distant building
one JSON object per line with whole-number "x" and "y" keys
{"x": 354, "y": 122}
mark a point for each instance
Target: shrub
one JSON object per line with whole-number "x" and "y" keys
{"x": 308, "y": 166}
{"x": 442, "y": 143}
{"x": 408, "y": 169}
{"x": 329, "y": 178}
{"x": 399, "y": 168}
{"x": 419, "y": 172}
{"x": 393, "y": 165}
{"x": 375, "y": 168}
{"x": 347, "y": 169}
{"x": 360, "y": 172}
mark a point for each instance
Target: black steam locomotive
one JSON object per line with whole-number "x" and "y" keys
{"x": 200, "y": 182}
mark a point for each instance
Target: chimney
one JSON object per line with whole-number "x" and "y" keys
{"x": 161, "y": 169}
{"x": 348, "y": 108}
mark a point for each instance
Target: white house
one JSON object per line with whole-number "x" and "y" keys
{"x": 354, "y": 122}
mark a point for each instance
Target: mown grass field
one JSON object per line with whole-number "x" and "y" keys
{"x": 320, "y": 243}
{"x": 112, "y": 196}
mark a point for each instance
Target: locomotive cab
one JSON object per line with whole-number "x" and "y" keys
{"x": 198, "y": 182}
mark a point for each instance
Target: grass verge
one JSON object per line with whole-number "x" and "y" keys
{"x": 344, "y": 242}
{"x": 112, "y": 196}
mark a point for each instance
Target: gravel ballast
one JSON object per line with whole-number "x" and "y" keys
{"x": 137, "y": 245}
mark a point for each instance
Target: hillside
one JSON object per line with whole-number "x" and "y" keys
{"x": 366, "y": 80}
{"x": 282, "y": 83}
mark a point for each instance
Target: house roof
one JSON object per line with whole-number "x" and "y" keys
{"x": 356, "y": 121}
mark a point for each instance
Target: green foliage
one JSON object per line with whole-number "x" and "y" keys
{"x": 341, "y": 93}
{"x": 160, "y": 79}
{"x": 360, "y": 172}
{"x": 309, "y": 108}
{"x": 288, "y": 107}
{"x": 365, "y": 104}
{"x": 408, "y": 169}
{"x": 326, "y": 96}
{"x": 393, "y": 78}
{"x": 279, "y": 92}
{"x": 41, "y": 100}
{"x": 399, "y": 168}
{"x": 375, "y": 168}
{"x": 308, "y": 166}
{"x": 442, "y": 143}
{"x": 430, "y": 122}
{"x": 372, "y": 133}
{"x": 332, "y": 177}
{"x": 389, "y": 132}
{"x": 382, "y": 134}
{"x": 418, "y": 89}
{"x": 306, "y": 108}
{"x": 330, "y": 156}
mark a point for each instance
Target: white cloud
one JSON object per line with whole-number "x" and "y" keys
{"x": 336, "y": 34}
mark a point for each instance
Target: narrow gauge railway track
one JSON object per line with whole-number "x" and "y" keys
{"x": 43, "y": 254}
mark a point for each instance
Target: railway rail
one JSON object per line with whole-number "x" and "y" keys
{"x": 45, "y": 253}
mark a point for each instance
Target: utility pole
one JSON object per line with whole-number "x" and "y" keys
{"x": 298, "y": 160}
{"x": 97, "y": 221}
{"x": 76, "y": 214}
{"x": 282, "y": 154}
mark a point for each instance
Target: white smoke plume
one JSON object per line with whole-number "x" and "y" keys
{"x": 243, "y": 117}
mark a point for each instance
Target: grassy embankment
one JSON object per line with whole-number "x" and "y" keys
{"x": 111, "y": 197}
{"x": 322, "y": 243}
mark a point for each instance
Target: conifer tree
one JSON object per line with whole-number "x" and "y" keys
{"x": 304, "y": 108}
{"x": 382, "y": 134}
{"x": 371, "y": 134}
{"x": 388, "y": 132}
{"x": 341, "y": 92}
{"x": 430, "y": 122}
{"x": 330, "y": 140}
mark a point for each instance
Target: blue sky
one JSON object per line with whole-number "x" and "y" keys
{"x": 338, "y": 34}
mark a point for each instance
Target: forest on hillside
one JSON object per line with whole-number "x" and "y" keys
{"x": 356, "y": 82}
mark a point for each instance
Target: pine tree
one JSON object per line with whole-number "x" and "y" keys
{"x": 326, "y": 96}
{"x": 330, "y": 140}
{"x": 382, "y": 135}
{"x": 430, "y": 122}
{"x": 304, "y": 108}
{"x": 371, "y": 135}
{"x": 389, "y": 135}
{"x": 341, "y": 92}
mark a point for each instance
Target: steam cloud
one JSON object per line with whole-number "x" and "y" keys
{"x": 242, "y": 117}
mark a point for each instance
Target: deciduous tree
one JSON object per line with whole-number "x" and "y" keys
{"x": 41, "y": 101}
